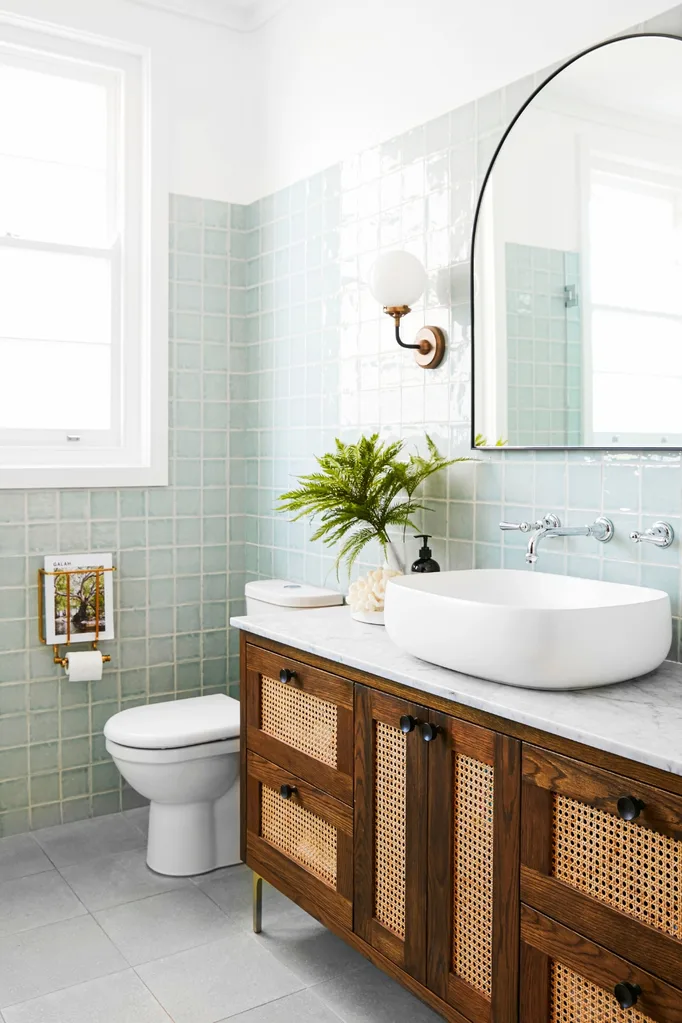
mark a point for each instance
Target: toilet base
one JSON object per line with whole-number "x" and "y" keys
{"x": 194, "y": 838}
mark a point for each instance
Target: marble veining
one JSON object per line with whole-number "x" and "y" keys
{"x": 640, "y": 720}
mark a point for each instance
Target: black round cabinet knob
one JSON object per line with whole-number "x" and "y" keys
{"x": 407, "y": 723}
{"x": 429, "y": 732}
{"x": 287, "y": 791}
{"x": 286, "y": 675}
{"x": 629, "y": 808}
{"x": 627, "y": 994}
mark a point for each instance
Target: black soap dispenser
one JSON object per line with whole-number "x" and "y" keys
{"x": 425, "y": 562}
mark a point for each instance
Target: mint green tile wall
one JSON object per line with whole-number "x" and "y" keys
{"x": 322, "y": 363}
{"x": 178, "y": 563}
{"x": 544, "y": 352}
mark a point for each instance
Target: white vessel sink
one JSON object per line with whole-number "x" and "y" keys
{"x": 528, "y": 628}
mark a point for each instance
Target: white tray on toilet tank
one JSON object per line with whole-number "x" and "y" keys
{"x": 273, "y": 596}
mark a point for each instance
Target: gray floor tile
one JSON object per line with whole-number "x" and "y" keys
{"x": 119, "y": 998}
{"x": 307, "y": 948}
{"x": 112, "y": 880}
{"x": 369, "y": 996}
{"x": 36, "y": 901}
{"x": 164, "y": 924}
{"x": 45, "y": 959}
{"x": 20, "y": 855}
{"x": 67, "y": 844}
{"x": 231, "y": 888}
{"x": 302, "y": 1007}
{"x": 218, "y": 980}
{"x": 139, "y": 817}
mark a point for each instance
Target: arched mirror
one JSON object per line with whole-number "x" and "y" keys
{"x": 577, "y": 259}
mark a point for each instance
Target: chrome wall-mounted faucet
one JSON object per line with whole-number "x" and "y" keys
{"x": 661, "y": 534}
{"x": 601, "y": 530}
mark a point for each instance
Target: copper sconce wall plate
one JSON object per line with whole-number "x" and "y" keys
{"x": 431, "y": 347}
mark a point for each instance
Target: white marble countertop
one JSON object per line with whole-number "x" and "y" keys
{"x": 640, "y": 720}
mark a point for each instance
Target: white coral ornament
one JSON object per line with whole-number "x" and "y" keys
{"x": 366, "y": 595}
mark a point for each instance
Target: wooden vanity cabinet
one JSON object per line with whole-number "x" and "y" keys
{"x": 502, "y": 874}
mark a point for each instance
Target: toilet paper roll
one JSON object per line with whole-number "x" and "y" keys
{"x": 84, "y": 666}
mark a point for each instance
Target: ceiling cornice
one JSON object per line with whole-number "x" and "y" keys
{"x": 239, "y": 15}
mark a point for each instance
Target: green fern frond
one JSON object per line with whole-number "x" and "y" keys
{"x": 361, "y": 490}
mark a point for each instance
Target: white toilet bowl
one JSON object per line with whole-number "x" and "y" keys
{"x": 184, "y": 757}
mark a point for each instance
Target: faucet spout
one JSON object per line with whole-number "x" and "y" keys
{"x": 540, "y": 534}
{"x": 601, "y": 530}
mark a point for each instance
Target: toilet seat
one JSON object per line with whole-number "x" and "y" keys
{"x": 176, "y": 725}
{"x": 174, "y": 755}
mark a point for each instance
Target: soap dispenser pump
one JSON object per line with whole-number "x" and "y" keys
{"x": 425, "y": 562}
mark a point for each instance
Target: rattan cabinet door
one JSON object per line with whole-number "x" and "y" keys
{"x": 301, "y": 718}
{"x": 301, "y": 836}
{"x": 604, "y": 850}
{"x": 473, "y": 869}
{"x": 390, "y": 828}
{"x": 567, "y": 979}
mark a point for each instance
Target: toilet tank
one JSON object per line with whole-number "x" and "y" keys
{"x": 274, "y": 596}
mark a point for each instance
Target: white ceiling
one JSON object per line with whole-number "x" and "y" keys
{"x": 241, "y": 15}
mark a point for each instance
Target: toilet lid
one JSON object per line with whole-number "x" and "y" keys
{"x": 173, "y": 724}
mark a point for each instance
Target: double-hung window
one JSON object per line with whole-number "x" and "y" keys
{"x": 82, "y": 340}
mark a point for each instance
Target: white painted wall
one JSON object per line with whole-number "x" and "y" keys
{"x": 252, "y": 112}
{"x": 204, "y": 72}
{"x": 337, "y": 78}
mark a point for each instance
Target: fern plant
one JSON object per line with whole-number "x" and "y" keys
{"x": 361, "y": 491}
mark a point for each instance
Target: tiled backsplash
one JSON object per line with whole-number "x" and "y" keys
{"x": 171, "y": 547}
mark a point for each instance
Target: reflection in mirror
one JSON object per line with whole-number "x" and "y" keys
{"x": 578, "y": 259}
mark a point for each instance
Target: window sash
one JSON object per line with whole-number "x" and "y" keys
{"x": 138, "y": 254}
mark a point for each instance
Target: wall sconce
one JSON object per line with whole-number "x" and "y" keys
{"x": 397, "y": 280}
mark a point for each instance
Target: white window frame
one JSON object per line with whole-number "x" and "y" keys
{"x": 135, "y": 451}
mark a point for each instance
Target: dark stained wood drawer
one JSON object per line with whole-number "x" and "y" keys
{"x": 302, "y": 836}
{"x": 567, "y": 979}
{"x": 301, "y": 718}
{"x": 604, "y": 850}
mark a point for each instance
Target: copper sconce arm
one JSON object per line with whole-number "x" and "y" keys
{"x": 430, "y": 347}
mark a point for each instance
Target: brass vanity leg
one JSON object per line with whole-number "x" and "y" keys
{"x": 257, "y": 903}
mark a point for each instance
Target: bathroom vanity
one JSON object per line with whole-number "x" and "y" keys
{"x": 505, "y": 854}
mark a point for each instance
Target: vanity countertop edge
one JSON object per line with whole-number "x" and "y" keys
{"x": 640, "y": 720}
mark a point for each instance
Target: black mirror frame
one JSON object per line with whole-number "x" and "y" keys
{"x": 472, "y": 280}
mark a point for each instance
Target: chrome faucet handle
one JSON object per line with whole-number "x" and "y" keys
{"x": 661, "y": 535}
{"x": 523, "y": 527}
{"x": 530, "y": 527}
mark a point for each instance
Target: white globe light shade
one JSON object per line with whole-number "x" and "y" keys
{"x": 397, "y": 278}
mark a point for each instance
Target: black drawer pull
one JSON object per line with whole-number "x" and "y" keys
{"x": 627, "y": 994}
{"x": 286, "y": 675}
{"x": 407, "y": 724}
{"x": 287, "y": 791}
{"x": 629, "y": 808}
{"x": 429, "y": 731}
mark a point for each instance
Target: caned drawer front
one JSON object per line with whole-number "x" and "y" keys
{"x": 567, "y": 979}
{"x": 607, "y": 850}
{"x": 303, "y": 834}
{"x": 301, "y": 717}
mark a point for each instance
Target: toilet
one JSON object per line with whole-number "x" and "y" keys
{"x": 183, "y": 756}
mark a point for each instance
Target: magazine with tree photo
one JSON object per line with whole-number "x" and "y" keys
{"x": 78, "y": 598}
